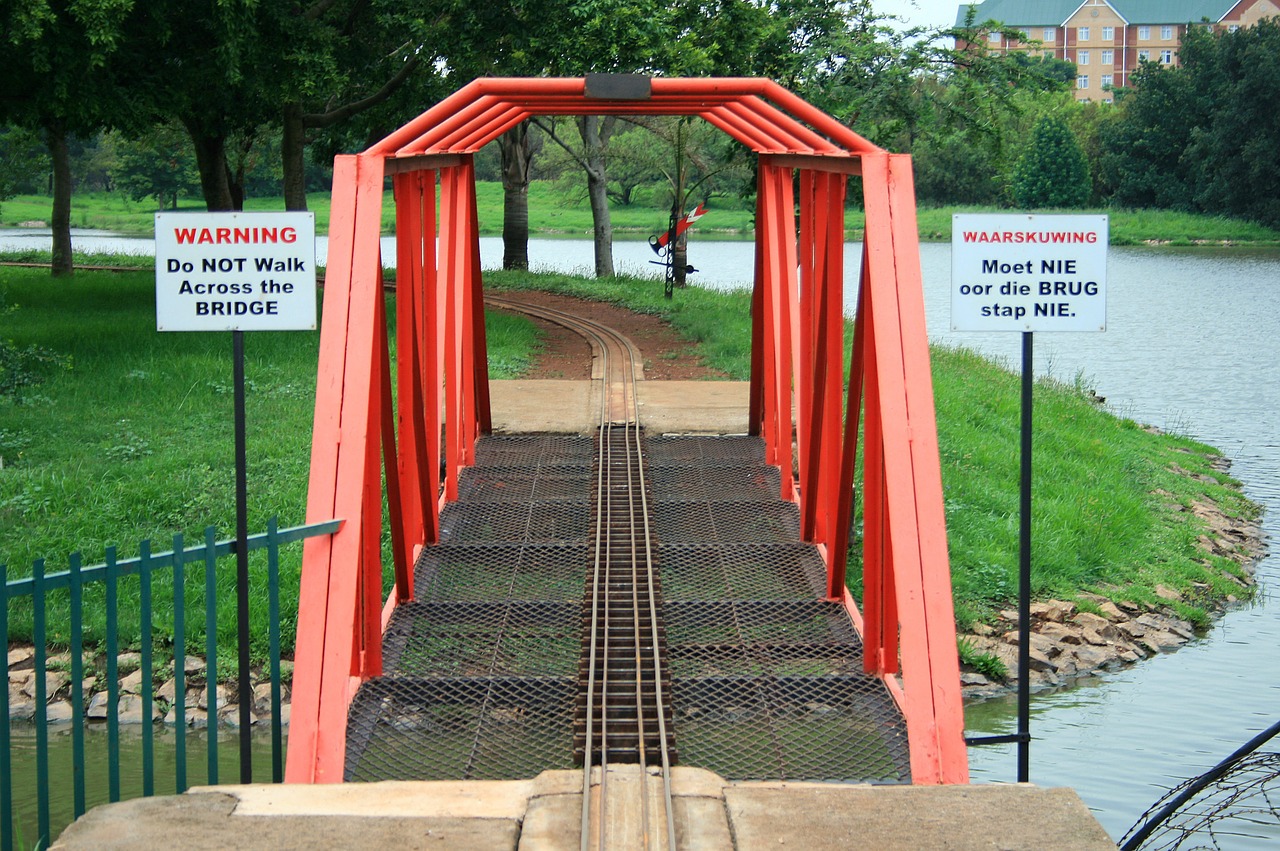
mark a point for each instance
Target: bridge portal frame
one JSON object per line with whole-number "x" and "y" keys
{"x": 797, "y": 368}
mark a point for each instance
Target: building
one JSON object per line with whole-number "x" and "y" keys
{"x": 1108, "y": 39}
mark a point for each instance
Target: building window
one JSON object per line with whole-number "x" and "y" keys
{"x": 1108, "y": 33}
{"x": 1144, "y": 33}
{"x": 1233, "y": 28}
{"x": 1050, "y": 34}
{"x": 1082, "y": 57}
{"x": 994, "y": 38}
{"x": 1144, "y": 55}
{"x": 1166, "y": 32}
{"x": 1106, "y": 81}
{"x": 1108, "y": 57}
{"x": 1166, "y": 57}
{"x": 1082, "y": 34}
{"x": 1082, "y": 82}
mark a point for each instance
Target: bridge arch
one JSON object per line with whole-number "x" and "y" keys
{"x": 367, "y": 432}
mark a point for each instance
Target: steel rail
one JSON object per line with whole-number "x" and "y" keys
{"x": 619, "y": 366}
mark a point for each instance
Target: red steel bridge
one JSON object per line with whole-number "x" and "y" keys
{"x": 625, "y": 598}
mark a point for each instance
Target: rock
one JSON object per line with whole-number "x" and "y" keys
{"x": 1048, "y": 647}
{"x": 1055, "y": 611}
{"x": 97, "y": 710}
{"x": 132, "y": 684}
{"x": 21, "y": 658}
{"x": 193, "y": 665}
{"x": 972, "y": 678}
{"x": 1166, "y": 593}
{"x": 22, "y": 708}
{"x": 128, "y": 662}
{"x": 59, "y": 712}
{"x": 1089, "y": 658}
{"x": 220, "y": 698}
{"x": 1097, "y": 624}
{"x": 1111, "y": 611}
{"x": 1131, "y": 629}
{"x": 168, "y": 690}
{"x": 1038, "y": 661}
{"x": 1061, "y": 633}
{"x": 983, "y": 629}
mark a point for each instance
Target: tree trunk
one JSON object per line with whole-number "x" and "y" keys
{"x": 60, "y": 218}
{"x": 516, "y": 156}
{"x": 594, "y": 139}
{"x": 293, "y": 155}
{"x": 211, "y": 159}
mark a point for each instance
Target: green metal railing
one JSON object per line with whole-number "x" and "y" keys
{"x": 111, "y": 574}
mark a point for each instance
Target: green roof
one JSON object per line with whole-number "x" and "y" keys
{"x": 1053, "y": 13}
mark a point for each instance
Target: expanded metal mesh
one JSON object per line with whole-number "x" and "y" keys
{"x": 496, "y": 572}
{"x": 481, "y": 670}
{"x": 482, "y": 728}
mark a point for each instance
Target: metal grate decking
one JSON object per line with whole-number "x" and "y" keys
{"x": 481, "y": 671}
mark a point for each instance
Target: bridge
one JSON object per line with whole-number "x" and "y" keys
{"x": 626, "y": 602}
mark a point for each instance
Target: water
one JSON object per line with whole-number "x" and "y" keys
{"x": 1192, "y": 344}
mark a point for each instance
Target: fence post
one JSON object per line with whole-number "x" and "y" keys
{"x": 41, "y": 717}
{"x": 144, "y": 639}
{"x": 179, "y": 665}
{"x": 76, "y": 582}
{"x": 6, "y": 767}
{"x": 113, "y": 679}
{"x": 273, "y": 617}
{"x": 211, "y": 651}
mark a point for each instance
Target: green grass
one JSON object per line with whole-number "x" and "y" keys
{"x": 551, "y": 213}
{"x": 134, "y": 441}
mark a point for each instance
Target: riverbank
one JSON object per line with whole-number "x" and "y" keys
{"x": 1091, "y": 634}
{"x": 551, "y": 215}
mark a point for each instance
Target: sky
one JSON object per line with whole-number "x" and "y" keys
{"x": 921, "y": 13}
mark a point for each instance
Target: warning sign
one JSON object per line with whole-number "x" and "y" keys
{"x": 1028, "y": 273}
{"x": 235, "y": 271}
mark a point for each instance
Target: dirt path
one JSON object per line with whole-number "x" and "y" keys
{"x": 564, "y": 354}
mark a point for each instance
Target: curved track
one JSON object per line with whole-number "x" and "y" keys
{"x": 624, "y": 712}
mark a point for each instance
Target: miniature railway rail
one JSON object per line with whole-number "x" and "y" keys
{"x": 623, "y": 715}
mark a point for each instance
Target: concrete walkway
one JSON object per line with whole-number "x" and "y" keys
{"x": 544, "y": 814}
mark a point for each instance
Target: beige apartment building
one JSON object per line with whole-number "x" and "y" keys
{"x": 1108, "y": 39}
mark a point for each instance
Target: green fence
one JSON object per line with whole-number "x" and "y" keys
{"x": 68, "y": 589}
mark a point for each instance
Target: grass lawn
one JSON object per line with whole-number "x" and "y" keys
{"x": 129, "y": 437}
{"x": 552, "y": 213}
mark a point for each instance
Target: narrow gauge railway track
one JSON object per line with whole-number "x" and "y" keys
{"x": 623, "y": 720}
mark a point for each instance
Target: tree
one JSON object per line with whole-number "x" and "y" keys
{"x": 159, "y": 165}
{"x": 63, "y": 62}
{"x": 1052, "y": 172}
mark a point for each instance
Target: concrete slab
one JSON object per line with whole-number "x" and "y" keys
{"x": 206, "y": 821}
{"x": 693, "y": 407}
{"x": 573, "y": 407}
{"x": 545, "y": 814}
{"x": 818, "y": 817}
{"x": 555, "y": 406}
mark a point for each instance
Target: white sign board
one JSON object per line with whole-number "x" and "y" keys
{"x": 235, "y": 271}
{"x": 1014, "y": 272}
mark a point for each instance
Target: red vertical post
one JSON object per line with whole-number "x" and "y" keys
{"x": 431, "y": 347}
{"x": 807, "y": 416}
{"x": 451, "y": 274}
{"x": 480, "y": 343}
{"x": 832, "y": 243}
{"x": 838, "y": 551}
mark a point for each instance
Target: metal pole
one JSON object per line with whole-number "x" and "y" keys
{"x": 242, "y": 565}
{"x": 1024, "y": 572}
